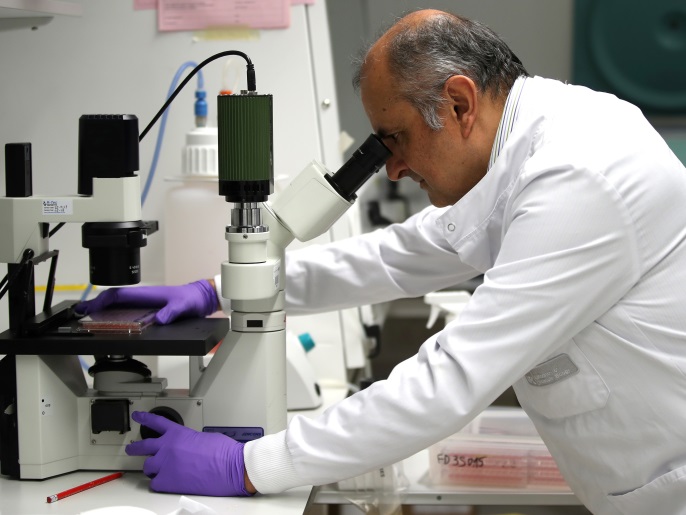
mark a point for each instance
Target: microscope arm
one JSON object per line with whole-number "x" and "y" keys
{"x": 307, "y": 208}
{"x": 316, "y": 199}
{"x": 21, "y": 218}
{"x": 254, "y": 277}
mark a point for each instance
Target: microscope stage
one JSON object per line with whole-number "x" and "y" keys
{"x": 188, "y": 337}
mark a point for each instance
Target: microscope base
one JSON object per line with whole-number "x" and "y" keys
{"x": 63, "y": 426}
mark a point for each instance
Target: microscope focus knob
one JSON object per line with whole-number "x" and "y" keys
{"x": 162, "y": 411}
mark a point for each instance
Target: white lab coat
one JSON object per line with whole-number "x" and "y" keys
{"x": 580, "y": 230}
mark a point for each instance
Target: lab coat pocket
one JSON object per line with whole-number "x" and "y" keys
{"x": 667, "y": 493}
{"x": 567, "y": 384}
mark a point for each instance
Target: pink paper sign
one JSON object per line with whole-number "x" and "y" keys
{"x": 205, "y": 14}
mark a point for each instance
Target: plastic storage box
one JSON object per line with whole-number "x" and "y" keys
{"x": 498, "y": 449}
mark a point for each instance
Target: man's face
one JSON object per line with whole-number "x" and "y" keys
{"x": 441, "y": 161}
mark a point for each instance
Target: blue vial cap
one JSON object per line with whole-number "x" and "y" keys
{"x": 200, "y": 103}
{"x": 306, "y": 341}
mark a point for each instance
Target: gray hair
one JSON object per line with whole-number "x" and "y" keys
{"x": 422, "y": 57}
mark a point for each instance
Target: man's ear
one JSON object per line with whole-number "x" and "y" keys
{"x": 461, "y": 92}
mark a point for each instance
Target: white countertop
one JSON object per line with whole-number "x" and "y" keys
{"x": 131, "y": 490}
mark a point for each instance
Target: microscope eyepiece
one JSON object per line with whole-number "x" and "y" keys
{"x": 365, "y": 162}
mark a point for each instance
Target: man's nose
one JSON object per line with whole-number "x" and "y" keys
{"x": 395, "y": 167}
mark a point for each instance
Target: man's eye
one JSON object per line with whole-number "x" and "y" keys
{"x": 390, "y": 139}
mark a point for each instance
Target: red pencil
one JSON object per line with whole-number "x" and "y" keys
{"x": 84, "y": 486}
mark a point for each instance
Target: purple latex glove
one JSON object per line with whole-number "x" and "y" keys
{"x": 185, "y": 461}
{"x": 197, "y": 299}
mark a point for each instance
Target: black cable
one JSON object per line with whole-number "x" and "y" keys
{"x": 251, "y": 83}
{"x": 55, "y": 229}
{"x": 50, "y": 286}
{"x": 8, "y": 280}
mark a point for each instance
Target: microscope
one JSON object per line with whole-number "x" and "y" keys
{"x": 51, "y": 422}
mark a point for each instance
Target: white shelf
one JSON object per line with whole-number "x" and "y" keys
{"x": 38, "y": 8}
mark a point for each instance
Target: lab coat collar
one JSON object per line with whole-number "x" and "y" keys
{"x": 479, "y": 213}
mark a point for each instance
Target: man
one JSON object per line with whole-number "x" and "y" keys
{"x": 571, "y": 205}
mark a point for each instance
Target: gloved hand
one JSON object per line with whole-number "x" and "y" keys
{"x": 194, "y": 299}
{"x": 185, "y": 461}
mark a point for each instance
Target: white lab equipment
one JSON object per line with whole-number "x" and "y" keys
{"x": 302, "y": 388}
{"x": 449, "y": 303}
{"x": 303, "y": 391}
{"x": 192, "y": 221}
{"x": 52, "y": 423}
{"x": 193, "y": 210}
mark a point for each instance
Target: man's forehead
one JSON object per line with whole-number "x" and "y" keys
{"x": 380, "y": 111}
{"x": 377, "y": 89}
{"x": 386, "y": 110}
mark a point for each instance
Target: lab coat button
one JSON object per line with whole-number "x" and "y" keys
{"x": 451, "y": 227}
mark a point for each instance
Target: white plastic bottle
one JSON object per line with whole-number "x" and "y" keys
{"x": 195, "y": 215}
{"x": 449, "y": 303}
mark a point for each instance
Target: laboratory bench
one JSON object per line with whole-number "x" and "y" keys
{"x": 420, "y": 492}
{"x": 132, "y": 491}
{"x": 422, "y": 495}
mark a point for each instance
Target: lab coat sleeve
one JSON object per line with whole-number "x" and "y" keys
{"x": 403, "y": 260}
{"x": 569, "y": 253}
